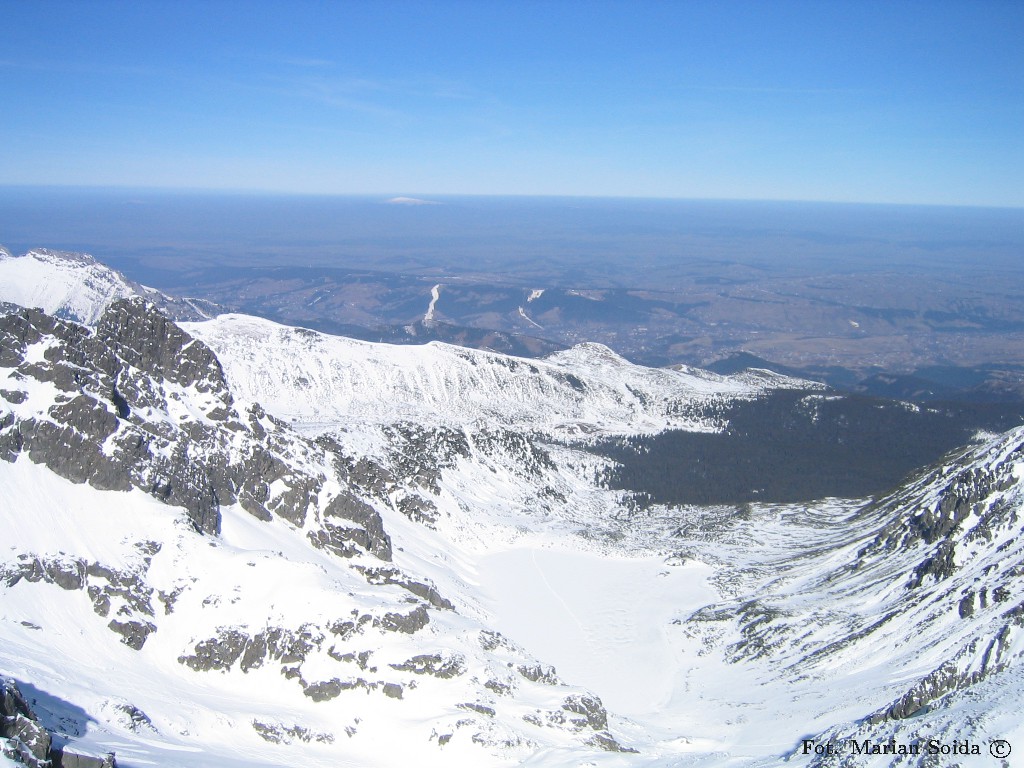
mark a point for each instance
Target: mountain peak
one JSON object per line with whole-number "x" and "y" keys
{"x": 77, "y": 287}
{"x": 73, "y": 286}
{"x": 589, "y": 353}
{"x": 70, "y": 257}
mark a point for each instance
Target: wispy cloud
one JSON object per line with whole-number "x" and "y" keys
{"x": 307, "y": 63}
{"x": 769, "y": 89}
{"x": 350, "y": 93}
{"x": 383, "y": 97}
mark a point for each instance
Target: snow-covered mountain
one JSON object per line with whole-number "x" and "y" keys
{"x": 235, "y": 543}
{"x": 323, "y": 381}
{"x": 75, "y": 286}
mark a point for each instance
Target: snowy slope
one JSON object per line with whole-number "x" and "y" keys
{"x": 256, "y": 577}
{"x": 69, "y": 285}
{"x": 77, "y": 287}
{"x": 317, "y": 379}
{"x": 896, "y": 620}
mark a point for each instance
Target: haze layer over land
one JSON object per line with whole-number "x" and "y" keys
{"x": 928, "y": 298}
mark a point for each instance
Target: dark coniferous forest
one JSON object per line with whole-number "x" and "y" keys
{"x": 789, "y": 446}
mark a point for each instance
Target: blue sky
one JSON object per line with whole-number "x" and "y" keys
{"x": 913, "y": 102}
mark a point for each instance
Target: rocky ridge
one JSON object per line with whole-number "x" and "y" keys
{"x": 140, "y": 404}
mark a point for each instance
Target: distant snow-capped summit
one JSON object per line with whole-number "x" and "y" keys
{"x": 74, "y": 286}
{"x": 411, "y": 201}
{"x": 70, "y": 285}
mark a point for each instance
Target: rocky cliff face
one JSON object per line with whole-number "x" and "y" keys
{"x": 25, "y": 741}
{"x": 141, "y": 404}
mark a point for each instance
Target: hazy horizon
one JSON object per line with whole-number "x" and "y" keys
{"x": 426, "y": 197}
{"x": 147, "y": 229}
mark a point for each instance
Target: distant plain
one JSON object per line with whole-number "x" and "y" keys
{"x": 922, "y": 302}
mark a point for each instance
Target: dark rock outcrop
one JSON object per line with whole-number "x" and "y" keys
{"x": 22, "y": 737}
{"x": 142, "y": 404}
{"x": 68, "y": 759}
{"x": 433, "y": 664}
{"x": 123, "y": 591}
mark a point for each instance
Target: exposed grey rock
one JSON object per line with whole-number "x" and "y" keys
{"x": 408, "y": 623}
{"x": 69, "y": 759}
{"x": 361, "y": 659}
{"x": 970, "y": 491}
{"x": 64, "y": 572}
{"x": 433, "y": 664}
{"x": 428, "y": 592}
{"x": 498, "y": 687}
{"x": 539, "y": 673}
{"x": 279, "y": 644}
{"x": 421, "y": 454}
{"x": 394, "y": 576}
{"x": 279, "y": 734}
{"x": 218, "y": 653}
{"x": 232, "y": 645}
{"x": 524, "y": 454}
{"x": 14, "y": 396}
{"x": 127, "y": 587}
{"x": 139, "y": 362}
{"x": 580, "y": 712}
{"x": 966, "y": 607}
{"x": 106, "y": 388}
{"x": 103, "y": 585}
{"x": 345, "y": 629}
{"x": 939, "y": 565}
{"x": 491, "y": 640}
{"x": 590, "y": 707}
{"x": 974, "y": 662}
{"x": 331, "y": 689}
{"x": 343, "y": 541}
{"x": 392, "y": 690}
{"x": 604, "y": 740}
{"x": 371, "y": 535}
{"x": 418, "y": 509}
{"x": 137, "y": 719}
{"x": 29, "y": 740}
{"x": 144, "y": 338}
{"x": 324, "y": 691}
{"x": 133, "y": 633}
